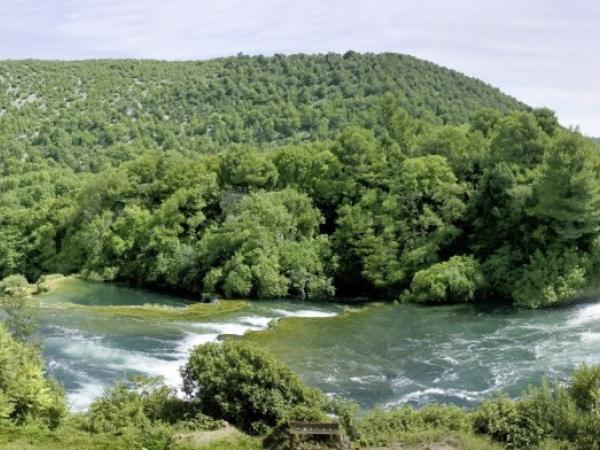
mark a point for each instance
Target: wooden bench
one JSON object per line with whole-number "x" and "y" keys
{"x": 297, "y": 429}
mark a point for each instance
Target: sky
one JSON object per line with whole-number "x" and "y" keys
{"x": 543, "y": 52}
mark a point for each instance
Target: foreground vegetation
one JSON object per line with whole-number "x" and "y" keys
{"x": 237, "y": 383}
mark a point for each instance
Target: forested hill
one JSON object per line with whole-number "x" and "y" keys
{"x": 85, "y": 114}
{"x": 300, "y": 176}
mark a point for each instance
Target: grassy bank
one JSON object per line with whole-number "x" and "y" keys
{"x": 71, "y": 438}
{"x": 193, "y": 312}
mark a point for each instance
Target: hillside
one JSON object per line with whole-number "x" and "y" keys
{"x": 88, "y": 114}
{"x": 301, "y": 176}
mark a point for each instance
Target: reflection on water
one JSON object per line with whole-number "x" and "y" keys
{"x": 388, "y": 355}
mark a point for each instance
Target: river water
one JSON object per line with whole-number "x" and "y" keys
{"x": 386, "y": 355}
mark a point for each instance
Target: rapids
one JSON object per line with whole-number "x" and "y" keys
{"x": 387, "y": 354}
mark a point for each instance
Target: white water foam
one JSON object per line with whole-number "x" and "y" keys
{"x": 84, "y": 395}
{"x": 192, "y": 340}
{"x": 88, "y": 388}
{"x": 401, "y": 381}
{"x": 369, "y": 379}
{"x": 238, "y": 329}
{"x": 590, "y": 337}
{"x": 256, "y": 321}
{"x": 78, "y": 346}
{"x": 424, "y": 394}
{"x": 585, "y": 315}
{"x": 124, "y": 360}
{"x": 308, "y": 313}
{"x": 70, "y": 333}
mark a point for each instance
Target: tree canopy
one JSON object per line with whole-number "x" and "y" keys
{"x": 299, "y": 176}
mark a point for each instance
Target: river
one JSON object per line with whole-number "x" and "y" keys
{"x": 381, "y": 355}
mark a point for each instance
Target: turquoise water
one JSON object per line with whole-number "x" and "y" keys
{"x": 88, "y": 352}
{"x": 389, "y": 355}
{"x": 399, "y": 354}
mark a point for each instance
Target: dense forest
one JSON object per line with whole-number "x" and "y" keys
{"x": 294, "y": 176}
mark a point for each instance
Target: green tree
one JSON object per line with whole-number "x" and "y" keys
{"x": 394, "y": 234}
{"x": 245, "y": 168}
{"x": 268, "y": 246}
{"x": 518, "y": 140}
{"x": 568, "y": 189}
{"x": 241, "y": 383}
{"x": 455, "y": 280}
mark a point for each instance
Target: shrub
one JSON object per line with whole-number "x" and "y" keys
{"x": 455, "y": 280}
{"x": 13, "y": 284}
{"x": 24, "y": 392}
{"x": 554, "y": 412}
{"x": 382, "y": 427}
{"x": 548, "y": 417}
{"x": 145, "y": 413}
{"x": 118, "y": 410}
{"x": 505, "y": 420}
{"x": 143, "y": 404}
{"x": 241, "y": 383}
{"x": 21, "y": 309}
{"x": 446, "y": 417}
{"x": 585, "y": 387}
{"x": 554, "y": 276}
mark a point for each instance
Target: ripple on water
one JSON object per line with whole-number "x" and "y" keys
{"x": 369, "y": 379}
{"x": 427, "y": 395}
{"x": 77, "y": 354}
{"x": 392, "y": 355}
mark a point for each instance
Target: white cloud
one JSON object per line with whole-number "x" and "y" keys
{"x": 542, "y": 51}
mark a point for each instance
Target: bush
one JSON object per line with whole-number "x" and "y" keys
{"x": 141, "y": 405}
{"x": 13, "y": 284}
{"x": 381, "y": 427}
{"x": 146, "y": 414}
{"x": 24, "y": 392}
{"x": 585, "y": 387}
{"x": 20, "y": 307}
{"x": 502, "y": 420}
{"x": 554, "y": 276}
{"x": 46, "y": 282}
{"x": 455, "y": 280}
{"x": 545, "y": 415}
{"x": 549, "y": 417}
{"x": 445, "y": 417}
{"x": 238, "y": 382}
{"x": 118, "y": 410}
